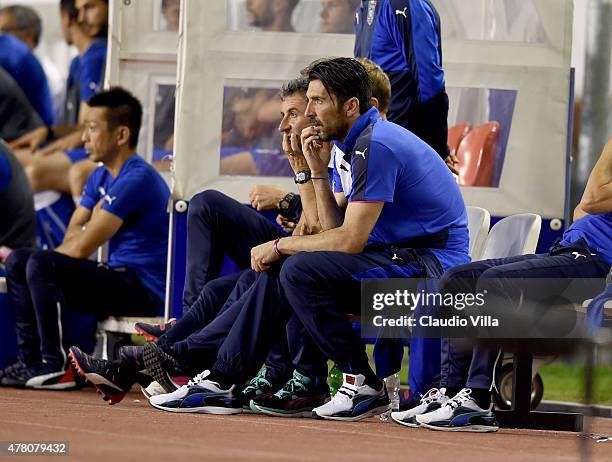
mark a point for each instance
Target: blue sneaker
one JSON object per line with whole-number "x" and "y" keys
{"x": 432, "y": 400}
{"x": 199, "y": 396}
{"x": 460, "y": 414}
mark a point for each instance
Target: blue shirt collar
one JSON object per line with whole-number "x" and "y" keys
{"x": 364, "y": 120}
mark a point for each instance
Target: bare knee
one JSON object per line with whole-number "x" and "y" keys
{"x": 78, "y": 175}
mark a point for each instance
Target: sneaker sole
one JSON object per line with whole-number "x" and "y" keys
{"x": 110, "y": 398}
{"x": 467, "y": 428}
{"x": 145, "y": 334}
{"x": 371, "y": 413}
{"x": 199, "y": 410}
{"x": 152, "y": 364}
{"x": 33, "y": 382}
{"x": 276, "y": 413}
{"x": 406, "y": 424}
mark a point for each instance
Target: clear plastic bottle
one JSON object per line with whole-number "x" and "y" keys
{"x": 393, "y": 386}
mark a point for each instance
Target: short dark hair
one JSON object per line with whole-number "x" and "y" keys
{"x": 297, "y": 85}
{"x": 123, "y": 108}
{"x": 69, "y": 7}
{"x": 25, "y": 18}
{"x": 345, "y": 78}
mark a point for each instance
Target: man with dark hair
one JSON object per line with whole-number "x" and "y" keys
{"x": 124, "y": 204}
{"x": 337, "y": 16}
{"x": 403, "y": 37}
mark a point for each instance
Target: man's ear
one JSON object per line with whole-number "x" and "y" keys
{"x": 375, "y": 103}
{"x": 351, "y": 107}
{"x": 123, "y": 135}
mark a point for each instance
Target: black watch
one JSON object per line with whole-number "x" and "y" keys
{"x": 285, "y": 203}
{"x": 301, "y": 177}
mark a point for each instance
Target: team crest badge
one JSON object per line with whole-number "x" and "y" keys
{"x": 371, "y": 11}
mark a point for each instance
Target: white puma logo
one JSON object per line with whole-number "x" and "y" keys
{"x": 361, "y": 153}
{"x": 403, "y": 13}
{"x": 109, "y": 199}
{"x": 577, "y": 255}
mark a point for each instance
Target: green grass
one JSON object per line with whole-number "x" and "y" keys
{"x": 562, "y": 382}
{"x": 566, "y": 383}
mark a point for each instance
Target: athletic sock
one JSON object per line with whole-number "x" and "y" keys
{"x": 482, "y": 397}
{"x": 220, "y": 378}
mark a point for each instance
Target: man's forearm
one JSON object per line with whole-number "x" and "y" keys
{"x": 330, "y": 215}
{"x": 334, "y": 240}
{"x": 597, "y": 197}
{"x": 309, "y": 215}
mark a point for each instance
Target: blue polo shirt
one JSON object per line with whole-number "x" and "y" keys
{"x": 139, "y": 196}
{"x": 596, "y": 230}
{"x": 403, "y": 38}
{"x": 386, "y": 163}
{"x": 87, "y": 70}
{"x": 19, "y": 61}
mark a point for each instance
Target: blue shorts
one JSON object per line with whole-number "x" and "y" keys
{"x": 77, "y": 155}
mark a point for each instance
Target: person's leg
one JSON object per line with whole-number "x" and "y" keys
{"x": 219, "y": 225}
{"x": 49, "y": 172}
{"x": 78, "y": 174}
{"x": 59, "y": 283}
{"x": 20, "y": 301}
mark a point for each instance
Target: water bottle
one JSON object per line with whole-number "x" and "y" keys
{"x": 393, "y": 385}
{"x": 334, "y": 380}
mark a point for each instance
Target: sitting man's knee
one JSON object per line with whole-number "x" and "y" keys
{"x": 208, "y": 199}
{"x": 17, "y": 260}
{"x": 295, "y": 269}
{"x": 40, "y": 265}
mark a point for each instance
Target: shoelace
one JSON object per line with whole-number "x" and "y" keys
{"x": 345, "y": 392}
{"x": 432, "y": 395}
{"x": 198, "y": 378}
{"x": 258, "y": 381}
{"x": 460, "y": 398}
{"x": 290, "y": 387}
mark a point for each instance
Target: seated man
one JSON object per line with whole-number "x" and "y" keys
{"x": 585, "y": 251}
{"x": 17, "y": 116}
{"x": 125, "y": 204}
{"x": 217, "y": 225}
{"x": 313, "y": 290}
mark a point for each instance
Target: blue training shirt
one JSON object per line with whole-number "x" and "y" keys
{"x": 596, "y": 230}
{"x": 86, "y": 70}
{"x": 387, "y": 163}
{"x": 403, "y": 38}
{"x": 139, "y": 196}
{"x": 19, "y": 61}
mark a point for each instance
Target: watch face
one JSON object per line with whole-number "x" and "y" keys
{"x": 284, "y": 204}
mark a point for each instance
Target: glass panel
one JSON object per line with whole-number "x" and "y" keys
{"x": 250, "y": 140}
{"x": 163, "y": 128}
{"x": 168, "y": 17}
{"x": 471, "y": 108}
{"x": 327, "y": 16}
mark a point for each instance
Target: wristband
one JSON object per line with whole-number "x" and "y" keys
{"x": 276, "y": 247}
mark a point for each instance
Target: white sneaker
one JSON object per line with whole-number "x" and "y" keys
{"x": 354, "y": 401}
{"x": 460, "y": 414}
{"x": 430, "y": 401}
{"x": 180, "y": 393}
{"x": 199, "y": 395}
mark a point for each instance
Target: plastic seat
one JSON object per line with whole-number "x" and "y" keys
{"x": 456, "y": 133}
{"x": 479, "y": 220}
{"x": 476, "y": 154}
{"x": 513, "y": 235}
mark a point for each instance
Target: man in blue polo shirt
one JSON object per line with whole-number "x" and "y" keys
{"x": 124, "y": 204}
{"x": 463, "y": 402}
{"x": 405, "y": 218}
{"x": 403, "y": 37}
{"x": 19, "y": 61}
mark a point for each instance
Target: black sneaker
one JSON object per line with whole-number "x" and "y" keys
{"x": 261, "y": 385}
{"x": 12, "y": 370}
{"x": 40, "y": 376}
{"x": 112, "y": 379}
{"x": 160, "y": 365}
{"x": 153, "y": 331}
{"x": 297, "y": 398}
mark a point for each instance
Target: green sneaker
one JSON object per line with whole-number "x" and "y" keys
{"x": 298, "y": 397}
{"x": 259, "y": 386}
